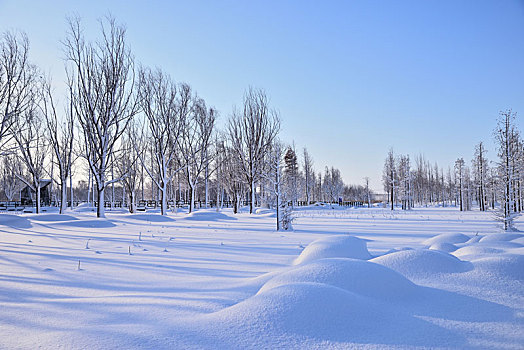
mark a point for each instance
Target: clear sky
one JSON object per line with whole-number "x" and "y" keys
{"x": 350, "y": 78}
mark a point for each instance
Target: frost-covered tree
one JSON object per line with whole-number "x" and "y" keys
{"x": 165, "y": 109}
{"x": 368, "y": 191}
{"x": 128, "y": 166}
{"x": 389, "y": 177}
{"x": 17, "y": 76}
{"x": 291, "y": 173}
{"x": 309, "y": 175}
{"x": 480, "y": 171}
{"x": 102, "y": 81}
{"x": 333, "y": 186}
{"x": 251, "y": 133}
{"x": 219, "y": 165}
{"x": 32, "y": 150}
{"x": 459, "y": 175}
{"x": 275, "y": 180}
{"x": 195, "y": 143}
{"x": 404, "y": 181}
{"x": 11, "y": 185}
{"x": 233, "y": 177}
{"x": 507, "y": 139}
{"x": 60, "y": 131}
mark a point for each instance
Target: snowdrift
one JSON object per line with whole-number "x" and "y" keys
{"x": 15, "y": 221}
{"x": 203, "y": 215}
{"x": 445, "y": 247}
{"x": 317, "y": 315}
{"x": 423, "y": 263}
{"x": 323, "y": 302}
{"x": 447, "y": 238}
{"x": 342, "y": 246}
{"x": 356, "y": 276}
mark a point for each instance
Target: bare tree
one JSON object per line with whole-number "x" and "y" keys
{"x": 17, "y": 77}
{"x": 480, "y": 171}
{"x": 389, "y": 177}
{"x": 128, "y": 165}
{"x": 404, "y": 181}
{"x": 273, "y": 175}
{"x": 165, "y": 111}
{"x": 10, "y": 182}
{"x": 102, "y": 82}
{"x": 459, "y": 174}
{"x": 220, "y": 163}
{"x": 333, "y": 185}
{"x": 309, "y": 175}
{"x": 368, "y": 192}
{"x": 507, "y": 138}
{"x": 194, "y": 143}
{"x": 61, "y": 136}
{"x": 32, "y": 150}
{"x": 251, "y": 134}
{"x": 232, "y": 177}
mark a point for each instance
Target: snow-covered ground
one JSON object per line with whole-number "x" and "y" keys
{"x": 355, "y": 278}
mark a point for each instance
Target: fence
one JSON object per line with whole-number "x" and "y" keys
{"x": 154, "y": 204}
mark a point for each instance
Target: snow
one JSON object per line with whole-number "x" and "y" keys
{"x": 344, "y": 278}
{"x": 447, "y": 238}
{"x": 423, "y": 263}
{"x": 357, "y": 276}
{"x": 342, "y": 246}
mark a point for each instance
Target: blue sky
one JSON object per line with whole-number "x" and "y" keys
{"x": 350, "y": 78}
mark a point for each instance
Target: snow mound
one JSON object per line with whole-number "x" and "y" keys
{"x": 502, "y": 265}
{"x": 342, "y": 246}
{"x": 501, "y": 237}
{"x": 94, "y": 223}
{"x": 423, "y": 263}
{"x": 84, "y": 207}
{"x": 443, "y": 246}
{"x": 150, "y": 217}
{"x": 357, "y": 276}
{"x": 316, "y": 313}
{"x": 208, "y": 216}
{"x": 52, "y": 217}
{"x": 447, "y": 238}
{"x": 14, "y": 221}
{"x": 265, "y": 211}
{"x": 475, "y": 251}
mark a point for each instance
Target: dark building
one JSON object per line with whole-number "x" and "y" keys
{"x": 28, "y": 196}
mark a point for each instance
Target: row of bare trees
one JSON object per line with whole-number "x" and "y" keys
{"x": 124, "y": 124}
{"x": 498, "y": 184}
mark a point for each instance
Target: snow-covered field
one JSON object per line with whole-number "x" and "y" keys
{"x": 356, "y": 278}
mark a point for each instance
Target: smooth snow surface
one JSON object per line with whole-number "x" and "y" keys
{"x": 447, "y": 238}
{"x": 423, "y": 263}
{"x": 344, "y": 278}
{"x": 342, "y": 246}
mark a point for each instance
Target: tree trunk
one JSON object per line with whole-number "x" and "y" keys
{"x": 278, "y": 212}
{"x": 235, "y": 205}
{"x": 252, "y": 194}
{"x": 218, "y": 197}
{"x": 63, "y": 196}
{"x": 163, "y": 199}
{"x": 132, "y": 201}
{"x": 38, "y": 198}
{"x": 100, "y": 210}
{"x": 207, "y": 185}
{"x": 89, "y": 184}
{"x": 191, "y": 197}
{"x": 71, "y": 189}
